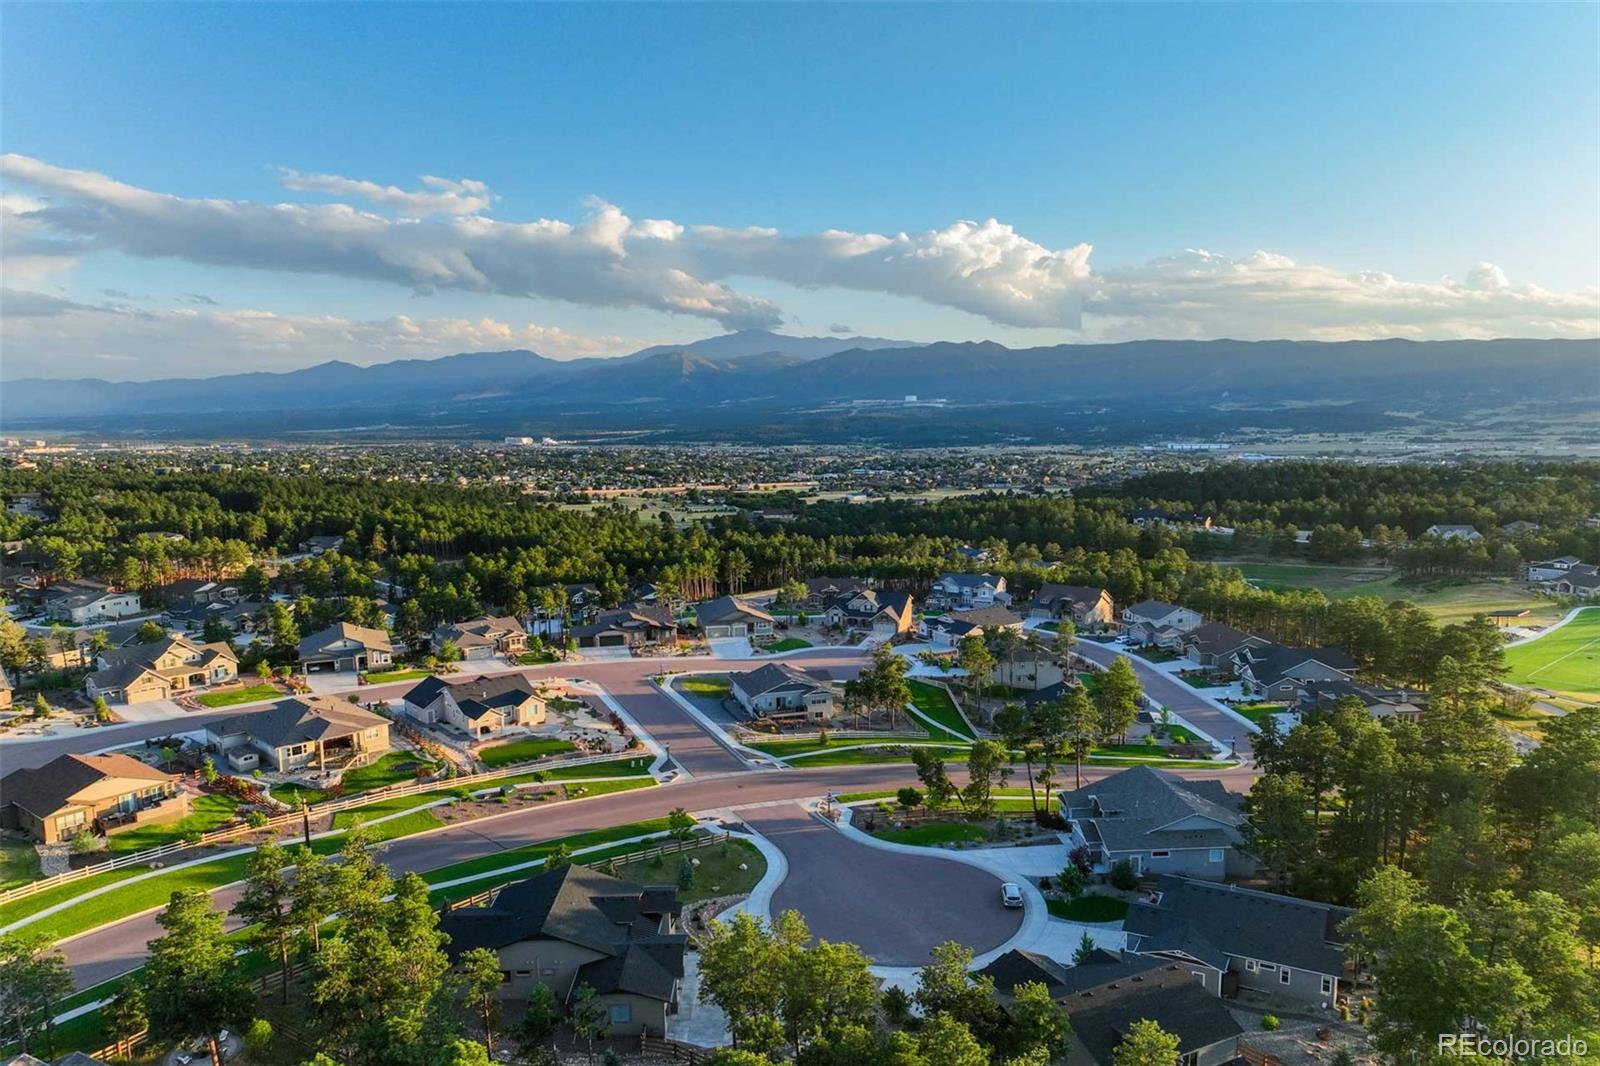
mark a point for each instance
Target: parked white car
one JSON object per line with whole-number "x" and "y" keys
{"x": 1011, "y": 894}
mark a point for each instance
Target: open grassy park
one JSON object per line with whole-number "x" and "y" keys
{"x": 1565, "y": 660}
{"x": 1447, "y": 599}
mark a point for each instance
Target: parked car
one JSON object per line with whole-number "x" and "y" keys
{"x": 1011, "y": 894}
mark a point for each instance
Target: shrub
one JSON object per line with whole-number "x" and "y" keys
{"x": 1071, "y": 881}
{"x": 1122, "y": 876}
{"x": 256, "y": 819}
{"x": 1269, "y": 1022}
{"x": 85, "y": 844}
{"x": 896, "y": 1004}
{"x": 258, "y": 1037}
{"x": 909, "y": 798}
{"x": 1080, "y": 858}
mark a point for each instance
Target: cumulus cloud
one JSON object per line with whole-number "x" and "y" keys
{"x": 441, "y": 237}
{"x": 440, "y": 196}
{"x": 44, "y": 333}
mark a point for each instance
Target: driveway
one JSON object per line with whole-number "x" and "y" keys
{"x": 896, "y": 907}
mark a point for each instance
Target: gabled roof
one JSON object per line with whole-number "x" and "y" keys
{"x": 1138, "y": 804}
{"x": 1271, "y": 663}
{"x": 989, "y": 616}
{"x": 1018, "y": 967}
{"x": 45, "y": 789}
{"x": 478, "y": 631}
{"x": 1151, "y": 610}
{"x": 1102, "y": 1015}
{"x": 1078, "y": 595}
{"x": 1197, "y": 917}
{"x": 725, "y": 609}
{"x": 772, "y": 676}
{"x": 582, "y": 906}
{"x": 1214, "y": 638}
{"x": 371, "y": 639}
{"x": 971, "y": 581}
{"x": 301, "y": 720}
{"x": 877, "y": 600}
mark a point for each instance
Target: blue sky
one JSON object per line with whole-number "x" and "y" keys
{"x": 1372, "y": 150}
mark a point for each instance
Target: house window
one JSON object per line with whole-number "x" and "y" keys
{"x": 1190, "y": 1059}
{"x": 1327, "y": 985}
{"x": 1215, "y": 855}
{"x": 1285, "y": 975}
{"x": 524, "y": 973}
{"x": 1251, "y": 966}
{"x": 1159, "y": 854}
{"x": 621, "y": 1012}
{"x": 68, "y": 823}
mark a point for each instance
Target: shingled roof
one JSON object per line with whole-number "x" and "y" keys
{"x": 300, "y": 720}
{"x": 1133, "y": 807}
{"x": 43, "y": 790}
{"x": 1209, "y": 920}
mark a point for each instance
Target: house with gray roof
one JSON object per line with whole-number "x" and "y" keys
{"x": 478, "y": 706}
{"x": 344, "y": 647}
{"x": 1214, "y": 644}
{"x": 728, "y": 616}
{"x": 1110, "y": 991}
{"x": 482, "y": 638}
{"x": 1231, "y": 938}
{"x": 1279, "y": 672}
{"x": 80, "y": 601}
{"x": 1380, "y": 703}
{"x": 1446, "y": 532}
{"x": 778, "y": 690}
{"x": 632, "y": 626}
{"x": 1159, "y": 822}
{"x": 1087, "y": 606}
{"x": 576, "y": 926}
{"x": 307, "y": 732}
{"x": 965, "y": 591}
{"x": 877, "y": 611}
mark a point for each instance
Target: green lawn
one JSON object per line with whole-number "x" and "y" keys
{"x": 636, "y": 766}
{"x": 1565, "y": 661}
{"x": 859, "y": 755}
{"x": 488, "y": 864}
{"x": 293, "y": 794}
{"x": 240, "y": 695}
{"x": 536, "y": 658}
{"x": 1446, "y": 599}
{"x": 789, "y": 644}
{"x": 207, "y": 813}
{"x": 522, "y": 750}
{"x": 391, "y": 769}
{"x": 935, "y": 702}
{"x": 19, "y": 864}
{"x": 1154, "y": 655}
{"x": 396, "y": 675}
{"x": 936, "y": 833}
{"x": 1196, "y": 681}
{"x": 1258, "y": 713}
{"x": 1088, "y": 909}
{"x": 711, "y": 688}
{"x": 717, "y": 874}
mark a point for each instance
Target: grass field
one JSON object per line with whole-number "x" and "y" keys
{"x": 710, "y": 688}
{"x": 19, "y": 864}
{"x": 1566, "y": 661}
{"x": 1260, "y": 712}
{"x": 1088, "y": 909}
{"x": 391, "y": 769}
{"x": 536, "y": 658}
{"x": 239, "y": 695}
{"x": 717, "y": 873}
{"x": 789, "y": 644}
{"x": 934, "y": 833}
{"x": 206, "y": 813}
{"x": 934, "y": 702}
{"x": 523, "y": 750}
{"x": 1447, "y": 600}
{"x": 395, "y": 675}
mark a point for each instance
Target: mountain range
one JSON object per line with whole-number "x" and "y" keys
{"x": 754, "y": 377}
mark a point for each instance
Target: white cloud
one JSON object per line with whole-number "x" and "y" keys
{"x": 439, "y": 237}
{"x": 44, "y": 333}
{"x": 440, "y": 197}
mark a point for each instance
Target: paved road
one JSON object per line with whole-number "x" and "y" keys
{"x": 114, "y": 949}
{"x": 895, "y": 907}
{"x": 1175, "y": 696}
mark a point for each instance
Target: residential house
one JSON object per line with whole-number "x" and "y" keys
{"x": 72, "y": 794}
{"x": 1552, "y": 569}
{"x": 1086, "y": 606}
{"x": 584, "y": 601}
{"x": 1150, "y": 517}
{"x": 1109, "y": 991}
{"x": 1279, "y": 672}
{"x": 1444, "y": 532}
{"x": 1582, "y": 581}
{"x": 1519, "y": 527}
{"x": 478, "y": 706}
{"x": 321, "y": 545}
{"x": 483, "y": 638}
{"x": 778, "y": 690}
{"x": 951, "y": 629}
{"x": 316, "y": 732}
{"x": 880, "y": 613}
{"x": 1159, "y": 822}
{"x": 1161, "y": 624}
{"x": 821, "y": 591}
{"x": 1214, "y": 645}
{"x": 574, "y": 927}
{"x": 965, "y": 591}
{"x": 344, "y": 647}
{"x": 727, "y": 616}
{"x": 81, "y": 602}
{"x": 1030, "y": 672}
{"x": 1380, "y": 703}
{"x": 196, "y": 592}
{"x": 1231, "y": 938}
{"x": 631, "y": 626}
{"x": 139, "y": 673}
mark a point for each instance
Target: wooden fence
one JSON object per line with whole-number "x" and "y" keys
{"x": 675, "y": 1050}
{"x": 415, "y": 788}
